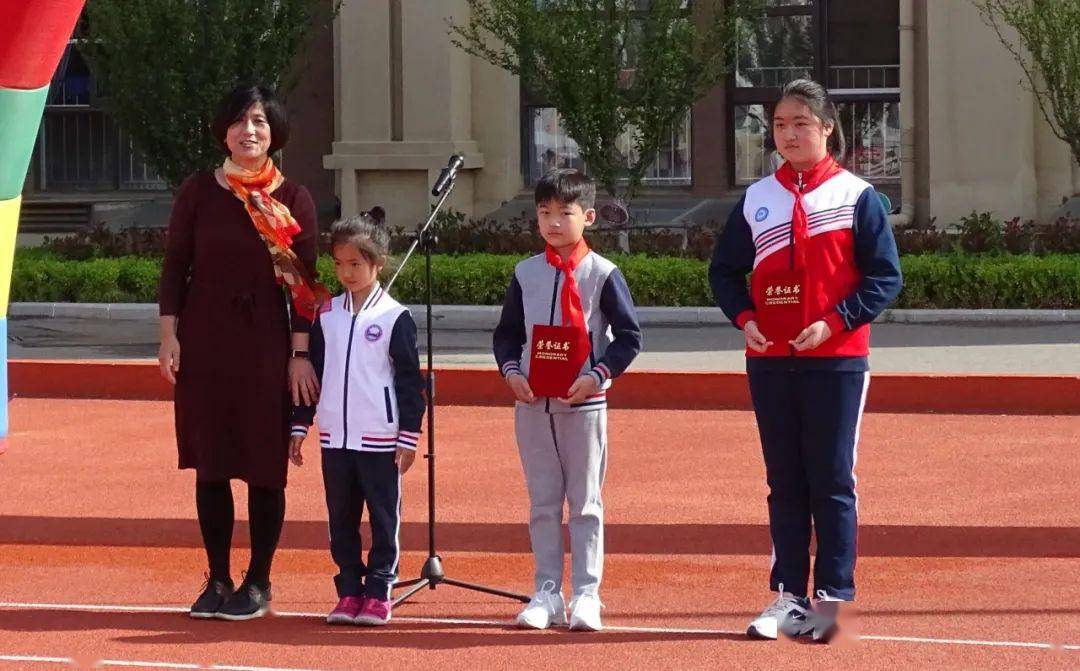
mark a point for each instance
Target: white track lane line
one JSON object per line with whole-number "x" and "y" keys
{"x": 138, "y": 664}
{"x": 145, "y": 665}
{"x": 113, "y": 608}
{"x": 961, "y": 641}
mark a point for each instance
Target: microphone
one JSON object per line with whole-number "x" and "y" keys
{"x": 446, "y": 177}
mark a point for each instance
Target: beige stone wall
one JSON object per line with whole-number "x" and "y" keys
{"x": 311, "y": 109}
{"x": 496, "y": 114}
{"x": 390, "y": 154}
{"x": 362, "y": 71}
{"x": 983, "y": 145}
{"x": 922, "y": 114}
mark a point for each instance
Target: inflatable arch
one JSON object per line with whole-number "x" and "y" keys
{"x": 33, "y": 36}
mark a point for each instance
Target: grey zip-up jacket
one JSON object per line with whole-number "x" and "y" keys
{"x": 534, "y": 297}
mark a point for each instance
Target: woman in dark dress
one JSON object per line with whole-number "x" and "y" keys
{"x": 237, "y": 298}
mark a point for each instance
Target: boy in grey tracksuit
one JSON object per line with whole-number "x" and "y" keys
{"x": 563, "y": 442}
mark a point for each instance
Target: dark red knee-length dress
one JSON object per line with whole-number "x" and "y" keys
{"x": 232, "y": 401}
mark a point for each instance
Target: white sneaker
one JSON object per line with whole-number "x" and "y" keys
{"x": 767, "y": 624}
{"x": 585, "y": 613}
{"x": 547, "y": 608}
{"x": 818, "y": 622}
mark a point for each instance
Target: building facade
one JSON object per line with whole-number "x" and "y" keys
{"x": 932, "y": 106}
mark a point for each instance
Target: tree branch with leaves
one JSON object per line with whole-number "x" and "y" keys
{"x": 1047, "y": 47}
{"x": 612, "y": 68}
{"x": 162, "y": 66}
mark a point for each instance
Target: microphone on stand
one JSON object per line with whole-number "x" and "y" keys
{"x": 432, "y": 574}
{"x": 446, "y": 177}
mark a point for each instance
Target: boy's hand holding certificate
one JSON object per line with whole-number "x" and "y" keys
{"x": 520, "y": 386}
{"x": 583, "y": 387}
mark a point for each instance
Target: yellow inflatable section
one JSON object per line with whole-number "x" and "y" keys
{"x": 9, "y": 225}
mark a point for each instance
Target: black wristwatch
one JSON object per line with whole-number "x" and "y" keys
{"x": 300, "y": 354}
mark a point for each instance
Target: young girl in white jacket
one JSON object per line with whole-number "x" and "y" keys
{"x": 369, "y": 412}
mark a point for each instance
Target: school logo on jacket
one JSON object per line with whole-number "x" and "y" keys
{"x": 761, "y": 214}
{"x": 373, "y": 333}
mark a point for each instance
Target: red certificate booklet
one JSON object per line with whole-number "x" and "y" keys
{"x": 779, "y": 304}
{"x": 556, "y": 359}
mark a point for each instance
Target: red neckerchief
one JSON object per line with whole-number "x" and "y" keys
{"x": 572, "y": 312}
{"x": 811, "y": 179}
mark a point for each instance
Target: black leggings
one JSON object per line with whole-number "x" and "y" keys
{"x": 266, "y": 510}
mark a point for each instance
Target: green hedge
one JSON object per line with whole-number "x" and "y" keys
{"x": 49, "y": 279}
{"x": 1004, "y": 281}
{"x": 930, "y": 281}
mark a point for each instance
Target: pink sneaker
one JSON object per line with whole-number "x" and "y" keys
{"x": 374, "y": 613}
{"x": 347, "y": 610}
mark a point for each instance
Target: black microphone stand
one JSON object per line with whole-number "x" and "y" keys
{"x": 432, "y": 574}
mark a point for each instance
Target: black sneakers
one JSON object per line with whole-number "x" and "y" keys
{"x": 213, "y": 597}
{"x": 246, "y": 603}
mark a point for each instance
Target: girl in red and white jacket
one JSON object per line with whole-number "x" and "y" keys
{"x": 823, "y": 264}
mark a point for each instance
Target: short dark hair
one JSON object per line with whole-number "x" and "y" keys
{"x": 237, "y": 102}
{"x": 814, "y": 96}
{"x": 567, "y": 186}
{"x": 365, "y": 232}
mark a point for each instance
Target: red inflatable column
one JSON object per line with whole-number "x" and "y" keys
{"x": 33, "y": 34}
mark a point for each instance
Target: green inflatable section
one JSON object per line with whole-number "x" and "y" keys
{"x": 20, "y": 116}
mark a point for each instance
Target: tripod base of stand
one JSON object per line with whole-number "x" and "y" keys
{"x": 432, "y": 575}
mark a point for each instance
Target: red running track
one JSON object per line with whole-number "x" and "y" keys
{"x": 140, "y": 380}
{"x": 969, "y": 533}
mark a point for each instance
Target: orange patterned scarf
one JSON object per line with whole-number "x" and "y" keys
{"x": 276, "y": 226}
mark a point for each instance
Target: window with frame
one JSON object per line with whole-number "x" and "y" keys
{"x": 547, "y": 145}
{"x": 853, "y": 48}
{"x": 79, "y": 146}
